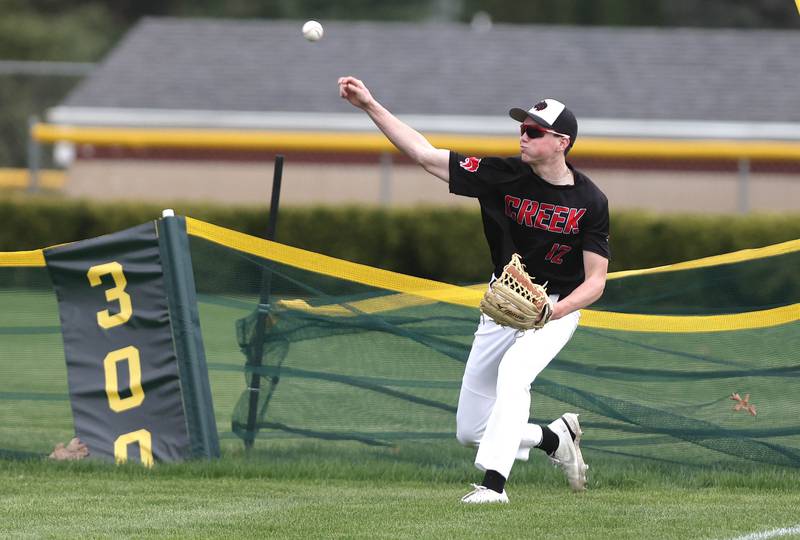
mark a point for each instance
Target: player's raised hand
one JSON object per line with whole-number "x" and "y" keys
{"x": 354, "y": 91}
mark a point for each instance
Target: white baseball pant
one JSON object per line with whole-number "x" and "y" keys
{"x": 494, "y": 404}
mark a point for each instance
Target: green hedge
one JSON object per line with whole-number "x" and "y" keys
{"x": 439, "y": 243}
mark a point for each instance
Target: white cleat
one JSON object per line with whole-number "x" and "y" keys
{"x": 568, "y": 454}
{"x": 484, "y": 495}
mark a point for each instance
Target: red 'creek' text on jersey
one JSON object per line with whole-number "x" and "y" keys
{"x": 544, "y": 216}
{"x": 549, "y": 226}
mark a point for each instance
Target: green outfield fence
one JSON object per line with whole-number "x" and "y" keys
{"x": 688, "y": 363}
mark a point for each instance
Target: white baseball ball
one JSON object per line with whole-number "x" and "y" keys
{"x": 312, "y": 31}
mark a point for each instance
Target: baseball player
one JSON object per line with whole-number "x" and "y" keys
{"x": 539, "y": 206}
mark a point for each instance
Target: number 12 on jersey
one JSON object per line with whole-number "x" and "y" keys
{"x": 556, "y": 253}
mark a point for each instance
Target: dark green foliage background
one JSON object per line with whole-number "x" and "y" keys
{"x": 438, "y": 243}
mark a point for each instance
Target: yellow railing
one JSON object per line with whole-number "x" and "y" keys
{"x": 20, "y": 179}
{"x": 286, "y": 141}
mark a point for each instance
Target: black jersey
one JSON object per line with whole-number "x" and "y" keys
{"x": 549, "y": 226}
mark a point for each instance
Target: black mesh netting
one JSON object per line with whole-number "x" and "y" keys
{"x": 333, "y": 359}
{"x": 35, "y": 412}
{"x": 340, "y": 360}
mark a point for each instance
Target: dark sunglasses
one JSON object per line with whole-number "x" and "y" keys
{"x": 535, "y": 132}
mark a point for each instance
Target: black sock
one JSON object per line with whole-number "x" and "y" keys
{"x": 549, "y": 440}
{"x": 494, "y": 481}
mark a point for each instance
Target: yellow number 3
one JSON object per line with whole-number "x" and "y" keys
{"x": 116, "y": 293}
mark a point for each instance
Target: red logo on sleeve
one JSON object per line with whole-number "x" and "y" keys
{"x": 470, "y": 164}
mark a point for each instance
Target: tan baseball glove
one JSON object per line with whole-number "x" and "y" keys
{"x": 515, "y": 300}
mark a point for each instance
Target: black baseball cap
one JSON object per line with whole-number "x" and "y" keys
{"x": 551, "y": 114}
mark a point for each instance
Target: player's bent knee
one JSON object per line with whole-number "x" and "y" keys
{"x": 468, "y": 436}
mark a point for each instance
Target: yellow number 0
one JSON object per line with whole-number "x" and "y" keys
{"x": 145, "y": 447}
{"x": 131, "y": 354}
{"x": 116, "y": 293}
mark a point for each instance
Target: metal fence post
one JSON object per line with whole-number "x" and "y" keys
{"x": 256, "y": 359}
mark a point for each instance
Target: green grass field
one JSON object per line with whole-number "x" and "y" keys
{"x": 326, "y": 492}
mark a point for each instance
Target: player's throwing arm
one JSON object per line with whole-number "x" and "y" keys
{"x": 409, "y": 141}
